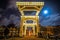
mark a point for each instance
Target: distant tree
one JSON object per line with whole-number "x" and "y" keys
{"x": 11, "y": 25}
{"x": 3, "y": 26}
{"x": 6, "y": 32}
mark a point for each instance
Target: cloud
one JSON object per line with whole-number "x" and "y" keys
{"x": 15, "y": 20}
{"x": 5, "y": 21}
{"x": 12, "y": 19}
{"x": 12, "y": 3}
{"x": 1, "y": 9}
{"x": 51, "y": 20}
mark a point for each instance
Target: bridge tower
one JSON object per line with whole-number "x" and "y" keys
{"x": 29, "y": 25}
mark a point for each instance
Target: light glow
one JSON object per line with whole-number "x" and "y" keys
{"x": 45, "y": 11}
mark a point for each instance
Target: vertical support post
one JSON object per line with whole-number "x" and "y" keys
{"x": 33, "y": 30}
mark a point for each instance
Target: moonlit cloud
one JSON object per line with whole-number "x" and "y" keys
{"x": 15, "y": 20}
{"x": 51, "y": 21}
{"x": 12, "y": 17}
{"x": 5, "y": 21}
{"x": 12, "y": 3}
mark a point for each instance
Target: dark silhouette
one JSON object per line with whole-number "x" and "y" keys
{"x": 11, "y": 25}
{"x": 6, "y": 32}
{"x": 1, "y": 31}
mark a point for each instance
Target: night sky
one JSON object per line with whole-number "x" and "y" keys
{"x": 9, "y": 12}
